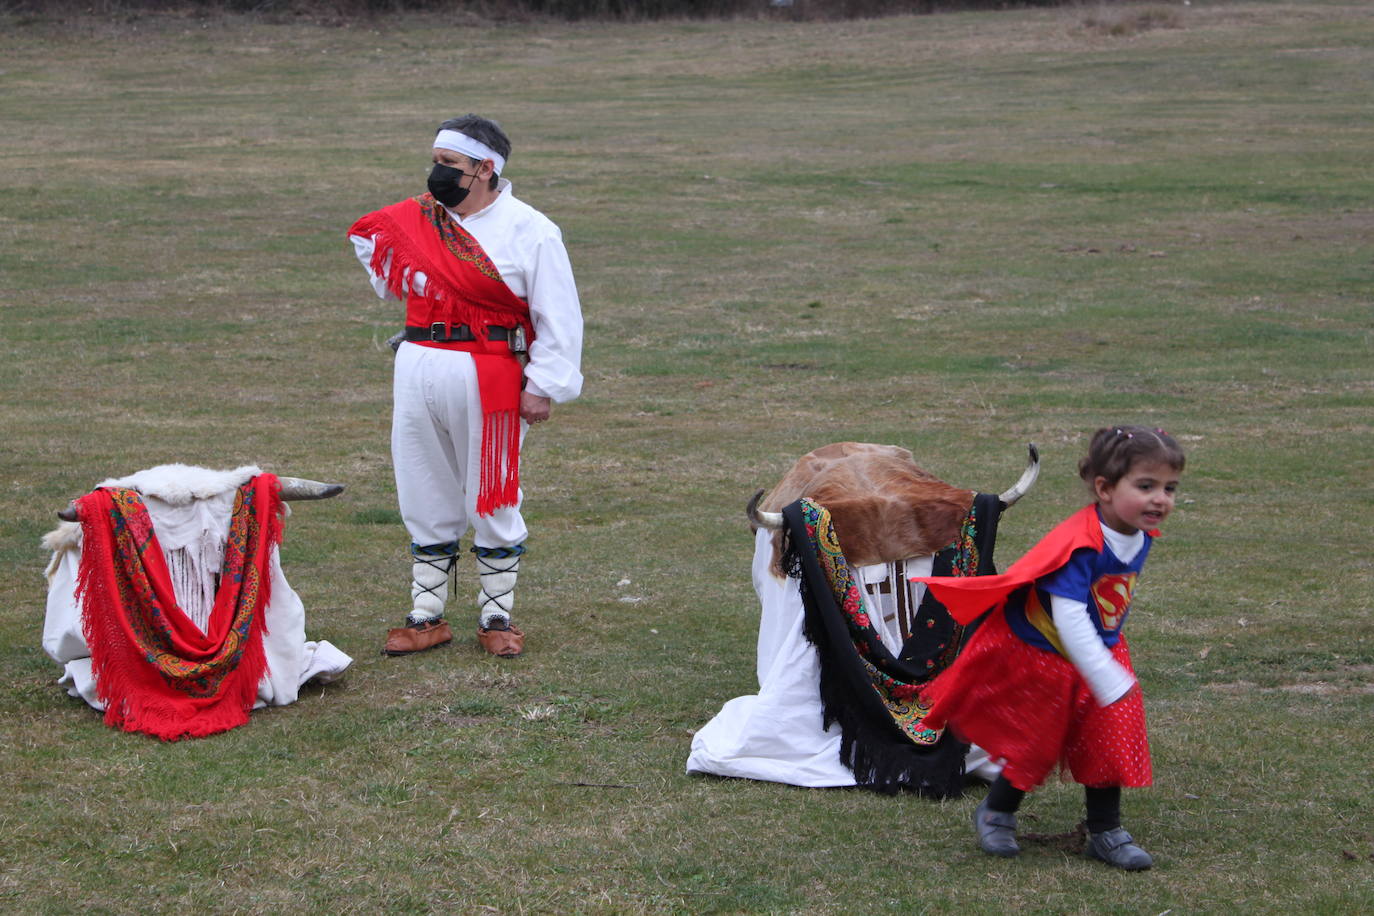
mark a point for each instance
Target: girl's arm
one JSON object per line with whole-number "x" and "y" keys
{"x": 1107, "y": 678}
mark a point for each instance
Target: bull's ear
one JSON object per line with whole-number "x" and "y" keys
{"x": 300, "y": 488}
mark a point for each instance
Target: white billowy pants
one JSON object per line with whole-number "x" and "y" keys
{"x": 436, "y": 447}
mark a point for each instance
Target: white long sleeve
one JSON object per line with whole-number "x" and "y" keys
{"x": 363, "y": 248}
{"x": 555, "y": 366}
{"x": 1107, "y": 678}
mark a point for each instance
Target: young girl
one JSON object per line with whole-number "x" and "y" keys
{"x": 1047, "y": 678}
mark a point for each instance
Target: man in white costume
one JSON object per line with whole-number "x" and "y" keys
{"x": 493, "y": 338}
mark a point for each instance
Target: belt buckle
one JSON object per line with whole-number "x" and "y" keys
{"x": 516, "y": 339}
{"x": 438, "y": 331}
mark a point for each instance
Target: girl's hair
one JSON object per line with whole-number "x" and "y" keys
{"x": 1115, "y": 449}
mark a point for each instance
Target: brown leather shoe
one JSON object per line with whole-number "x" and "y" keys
{"x": 507, "y": 642}
{"x": 417, "y": 637}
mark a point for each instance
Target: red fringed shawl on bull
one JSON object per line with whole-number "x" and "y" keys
{"x": 156, "y": 672}
{"x": 872, "y": 689}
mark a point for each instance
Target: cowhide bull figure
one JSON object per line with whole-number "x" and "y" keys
{"x": 845, "y": 647}
{"x": 883, "y": 505}
{"x": 167, "y": 606}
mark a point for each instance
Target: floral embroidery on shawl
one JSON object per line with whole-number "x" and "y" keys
{"x": 459, "y": 243}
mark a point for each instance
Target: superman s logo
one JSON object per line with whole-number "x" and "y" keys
{"x": 1113, "y": 596}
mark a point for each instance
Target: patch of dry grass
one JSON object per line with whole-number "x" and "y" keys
{"x": 1122, "y": 20}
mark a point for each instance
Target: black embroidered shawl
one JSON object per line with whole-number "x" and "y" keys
{"x": 868, "y": 689}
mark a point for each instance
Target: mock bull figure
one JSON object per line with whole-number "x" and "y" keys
{"x": 845, "y": 643}
{"x": 493, "y": 337}
{"x": 167, "y": 605}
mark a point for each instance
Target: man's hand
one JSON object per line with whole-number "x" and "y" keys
{"x": 533, "y": 408}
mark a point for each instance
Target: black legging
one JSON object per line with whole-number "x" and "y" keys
{"x": 1104, "y": 804}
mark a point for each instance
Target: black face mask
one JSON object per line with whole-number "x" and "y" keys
{"x": 443, "y": 184}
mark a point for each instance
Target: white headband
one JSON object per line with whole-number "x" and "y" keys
{"x": 462, "y": 143}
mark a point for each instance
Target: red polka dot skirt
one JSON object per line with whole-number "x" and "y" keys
{"x": 1031, "y": 708}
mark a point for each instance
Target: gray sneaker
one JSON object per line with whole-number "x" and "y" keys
{"x": 996, "y": 831}
{"x": 1116, "y": 848}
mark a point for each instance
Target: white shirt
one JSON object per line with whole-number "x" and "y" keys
{"x": 527, "y": 249}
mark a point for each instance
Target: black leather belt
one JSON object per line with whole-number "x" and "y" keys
{"x": 443, "y": 332}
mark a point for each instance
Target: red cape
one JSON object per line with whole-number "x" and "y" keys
{"x": 966, "y": 598}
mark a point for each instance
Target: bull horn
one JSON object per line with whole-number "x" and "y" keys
{"x": 292, "y": 488}
{"x": 770, "y": 520}
{"x": 300, "y": 488}
{"x": 1028, "y": 476}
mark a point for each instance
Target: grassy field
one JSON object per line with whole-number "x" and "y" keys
{"x": 957, "y": 233}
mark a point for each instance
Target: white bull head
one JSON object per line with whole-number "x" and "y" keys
{"x": 292, "y": 488}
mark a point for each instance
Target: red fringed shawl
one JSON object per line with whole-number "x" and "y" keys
{"x": 154, "y": 669}
{"x": 462, "y": 286}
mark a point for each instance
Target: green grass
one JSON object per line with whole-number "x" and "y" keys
{"x": 958, "y": 233}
